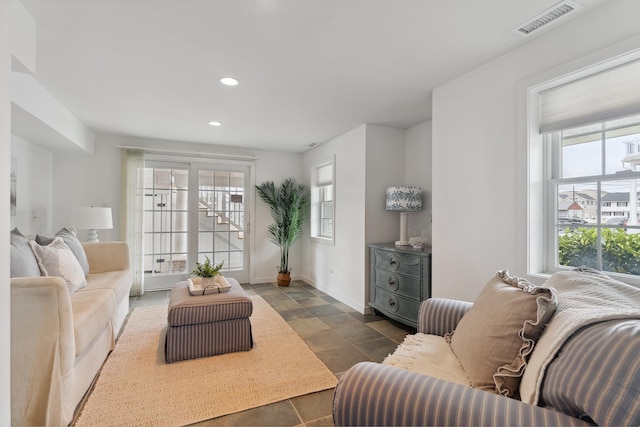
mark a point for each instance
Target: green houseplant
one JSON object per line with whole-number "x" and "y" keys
{"x": 205, "y": 271}
{"x": 289, "y": 204}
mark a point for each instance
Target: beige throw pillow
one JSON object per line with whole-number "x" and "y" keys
{"x": 495, "y": 337}
{"x": 56, "y": 259}
{"x": 70, "y": 238}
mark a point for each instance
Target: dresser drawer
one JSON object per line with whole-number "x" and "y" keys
{"x": 395, "y": 261}
{"x": 395, "y": 305}
{"x": 395, "y": 282}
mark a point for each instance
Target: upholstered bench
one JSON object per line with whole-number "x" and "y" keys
{"x": 206, "y": 325}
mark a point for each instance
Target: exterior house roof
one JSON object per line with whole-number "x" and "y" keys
{"x": 616, "y": 197}
{"x": 569, "y": 205}
{"x": 585, "y": 196}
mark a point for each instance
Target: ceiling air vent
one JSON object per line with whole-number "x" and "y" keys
{"x": 550, "y": 15}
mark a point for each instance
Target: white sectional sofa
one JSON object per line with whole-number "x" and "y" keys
{"x": 60, "y": 338}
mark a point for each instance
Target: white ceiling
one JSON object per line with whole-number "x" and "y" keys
{"x": 309, "y": 70}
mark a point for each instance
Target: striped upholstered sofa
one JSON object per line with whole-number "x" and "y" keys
{"x": 593, "y": 379}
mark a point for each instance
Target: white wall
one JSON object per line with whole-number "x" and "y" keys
{"x": 39, "y": 117}
{"x": 81, "y": 180}
{"x": 476, "y": 200}
{"x": 265, "y": 257}
{"x": 368, "y": 159}
{"x": 33, "y": 187}
{"x": 338, "y": 269}
{"x": 385, "y": 168}
{"x": 5, "y": 159}
{"x": 417, "y": 168}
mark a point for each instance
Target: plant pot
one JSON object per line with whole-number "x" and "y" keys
{"x": 284, "y": 279}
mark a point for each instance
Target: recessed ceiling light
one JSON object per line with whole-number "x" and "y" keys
{"x": 215, "y": 123}
{"x": 229, "y": 81}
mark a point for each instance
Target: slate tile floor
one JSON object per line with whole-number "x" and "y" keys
{"x": 337, "y": 334}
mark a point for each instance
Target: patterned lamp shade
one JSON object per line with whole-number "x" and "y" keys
{"x": 404, "y": 199}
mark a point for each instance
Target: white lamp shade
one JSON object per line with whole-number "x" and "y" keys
{"x": 404, "y": 199}
{"x": 87, "y": 218}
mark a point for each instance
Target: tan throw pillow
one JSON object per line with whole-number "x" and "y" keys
{"x": 495, "y": 337}
{"x": 56, "y": 259}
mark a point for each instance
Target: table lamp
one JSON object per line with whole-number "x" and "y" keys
{"x": 403, "y": 200}
{"x": 92, "y": 219}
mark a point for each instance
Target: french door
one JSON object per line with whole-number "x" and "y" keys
{"x": 194, "y": 211}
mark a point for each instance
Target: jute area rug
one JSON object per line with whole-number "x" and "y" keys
{"x": 137, "y": 387}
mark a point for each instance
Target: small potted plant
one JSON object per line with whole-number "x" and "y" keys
{"x": 205, "y": 272}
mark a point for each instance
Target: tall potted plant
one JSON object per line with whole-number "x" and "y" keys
{"x": 289, "y": 204}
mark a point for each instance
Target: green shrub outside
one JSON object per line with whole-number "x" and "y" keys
{"x": 620, "y": 251}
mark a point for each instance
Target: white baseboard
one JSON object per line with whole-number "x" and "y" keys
{"x": 340, "y": 297}
{"x": 272, "y": 279}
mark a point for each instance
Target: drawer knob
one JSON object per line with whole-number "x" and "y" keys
{"x": 393, "y": 283}
{"x": 392, "y": 302}
{"x": 393, "y": 262}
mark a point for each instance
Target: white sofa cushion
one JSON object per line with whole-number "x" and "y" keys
{"x": 118, "y": 281}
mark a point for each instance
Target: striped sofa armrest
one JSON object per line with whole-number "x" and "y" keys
{"x": 597, "y": 374}
{"x": 438, "y": 316}
{"x": 372, "y": 394}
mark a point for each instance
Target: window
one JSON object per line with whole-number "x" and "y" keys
{"x": 592, "y": 151}
{"x": 323, "y": 202}
{"x": 326, "y": 210}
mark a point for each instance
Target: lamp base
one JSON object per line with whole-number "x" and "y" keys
{"x": 92, "y": 237}
{"x": 403, "y": 231}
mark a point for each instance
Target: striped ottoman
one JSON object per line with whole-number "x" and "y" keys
{"x": 206, "y": 325}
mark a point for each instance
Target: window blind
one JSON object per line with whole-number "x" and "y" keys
{"x": 602, "y": 96}
{"x": 325, "y": 174}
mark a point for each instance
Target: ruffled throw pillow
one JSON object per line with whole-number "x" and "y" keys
{"x": 494, "y": 339}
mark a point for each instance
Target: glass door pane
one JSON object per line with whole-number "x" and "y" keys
{"x": 221, "y": 220}
{"x": 166, "y": 205}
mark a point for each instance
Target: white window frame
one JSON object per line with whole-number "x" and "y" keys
{"x": 533, "y": 222}
{"x": 319, "y": 206}
{"x": 553, "y": 143}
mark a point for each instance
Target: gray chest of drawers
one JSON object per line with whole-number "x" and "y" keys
{"x": 400, "y": 279}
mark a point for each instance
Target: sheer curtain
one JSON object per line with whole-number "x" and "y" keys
{"x": 132, "y": 194}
